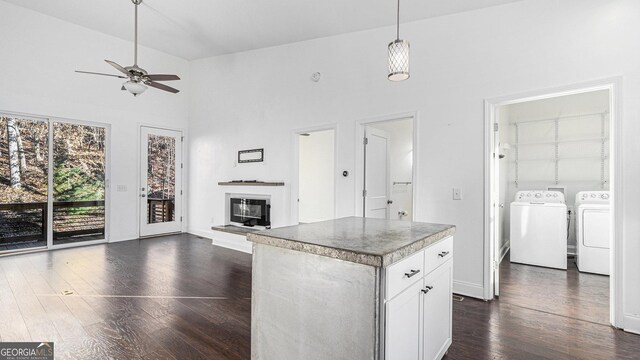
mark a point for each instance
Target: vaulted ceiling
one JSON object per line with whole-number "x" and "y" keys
{"x": 193, "y": 29}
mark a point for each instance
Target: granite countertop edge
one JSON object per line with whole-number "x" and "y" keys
{"x": 350, "y": 255}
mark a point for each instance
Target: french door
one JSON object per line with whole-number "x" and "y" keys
{"x": 160, "y": 187}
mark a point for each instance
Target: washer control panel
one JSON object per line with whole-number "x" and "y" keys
{"x": 593, "y": 197}
{"x": 540, "y": 196}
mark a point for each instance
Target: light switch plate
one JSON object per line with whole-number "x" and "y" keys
{"x": 457, "y": 194}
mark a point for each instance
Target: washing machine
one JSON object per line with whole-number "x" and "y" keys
{"x": 539, "y": 229}
{"x": 593, "y": 231}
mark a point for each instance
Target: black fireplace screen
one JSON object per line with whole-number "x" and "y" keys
{"x": 250, "y": 212}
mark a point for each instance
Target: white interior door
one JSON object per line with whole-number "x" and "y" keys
{"x": 316, "y": 176}
{"x": 160, "y": 187}
{"x": 376, "y": 180}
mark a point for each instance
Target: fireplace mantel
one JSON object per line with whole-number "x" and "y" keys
{"x": 251, "y": 183}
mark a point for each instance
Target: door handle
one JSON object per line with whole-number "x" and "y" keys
{"x": 143, "y": 195}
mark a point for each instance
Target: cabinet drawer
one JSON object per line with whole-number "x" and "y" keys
{"x": 437, "y": 254}
{"x": 405, "y": 272}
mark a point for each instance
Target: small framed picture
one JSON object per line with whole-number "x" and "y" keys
{"x": 249, "y": 156}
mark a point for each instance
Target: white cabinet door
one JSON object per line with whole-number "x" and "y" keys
{"x": 403, "y": 325}
{"x": 437, "y": 312}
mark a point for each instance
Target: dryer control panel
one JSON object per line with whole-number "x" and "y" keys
{"x": 593, "y": 197}
{"x": 540, "y": 196}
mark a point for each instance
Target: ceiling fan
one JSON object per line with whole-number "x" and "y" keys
{"x": 138, "y": 78}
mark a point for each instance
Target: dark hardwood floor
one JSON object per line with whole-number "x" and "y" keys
{"x": 179, "y": 297}
{"x": 541, "y": 313}
{"x": 570, "y": 293}
{"x": 173, "y": 297}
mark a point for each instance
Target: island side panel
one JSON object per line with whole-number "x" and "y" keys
{"x": 307, "y": 306}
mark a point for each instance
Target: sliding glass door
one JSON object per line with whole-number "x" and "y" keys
{"x": 79, "y": 170}
{"x": 24, "y": 167}
{"x": 52, "y": 182}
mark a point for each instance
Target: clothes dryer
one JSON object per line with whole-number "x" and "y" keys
{"x": 593, "y": 231}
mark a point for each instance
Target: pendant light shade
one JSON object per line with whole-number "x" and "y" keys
{"x": 398, "y": 60}
{"x": 398, "y": 55}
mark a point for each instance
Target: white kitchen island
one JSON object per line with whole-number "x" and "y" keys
{"x": 352, "y": 288}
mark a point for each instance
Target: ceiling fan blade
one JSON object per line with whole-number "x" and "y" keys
{"x": 118, "y": 67}
{"x": 97, "y": 73}
{"x": 162, "y": 77}
{"x": 162, "y": 87}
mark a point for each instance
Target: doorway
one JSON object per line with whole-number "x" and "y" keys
{"x": 316, "y": 175}
{"x": 387, "y": 160}
{"x": 549, "y": 162}
{"x": 160, "y": 181}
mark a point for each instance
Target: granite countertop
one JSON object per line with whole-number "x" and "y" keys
{"x": 375, "y": 242}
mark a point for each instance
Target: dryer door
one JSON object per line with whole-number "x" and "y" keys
{"x": 596, "y": 228}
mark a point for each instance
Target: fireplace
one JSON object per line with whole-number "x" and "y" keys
{"x": 249, "y": 210}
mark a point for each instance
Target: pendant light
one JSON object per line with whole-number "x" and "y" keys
{"x": 398, "y": 55}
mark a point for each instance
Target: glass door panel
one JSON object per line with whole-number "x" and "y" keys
{"x": 79, "y": 168}
{"x": 24, "y": 164}
{"x": 161, "y": 175}
{"x": 160, "y": 186}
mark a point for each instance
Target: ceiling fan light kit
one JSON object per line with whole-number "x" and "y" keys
{"x": 135, "y": 88}
{"x": 138, "y": 78}
{"x": 398, "y": 55}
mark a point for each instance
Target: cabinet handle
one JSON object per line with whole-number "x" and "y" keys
{"x": 410, "y": 274}
{"x": 443, "y": 254}
{"x": 426, "y": 289}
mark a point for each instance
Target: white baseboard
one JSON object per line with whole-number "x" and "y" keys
{"x": 121, "y": 240}
{"x": 632, "y": 324}
{"x": 201, "y": 233}
{"x": 504, "y": 250}
{"x": 225, "y": 240}
{"x": 468, "y": 289}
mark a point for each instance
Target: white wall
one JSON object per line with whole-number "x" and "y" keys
{"x": 39, "y": 56}
{"x": 401, "y": 165}
{"x": 580, "y": 167}
{"x": 317, "y": 177}
{"x": 256, "y": 98}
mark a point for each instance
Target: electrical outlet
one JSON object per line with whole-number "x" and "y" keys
{"x": 457, "y": 194}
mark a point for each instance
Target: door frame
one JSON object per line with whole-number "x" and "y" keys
{"x": 359, "y": 160}
{"x": 295, "y": 168}
{"x": 614, "y": 86}
{"x": 139, "y": 178}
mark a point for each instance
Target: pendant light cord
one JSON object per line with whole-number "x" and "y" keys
{"x": 398, "y": 22}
